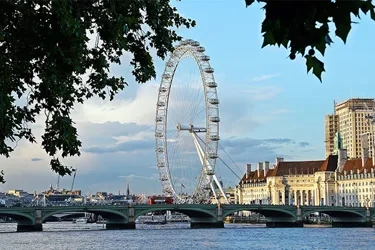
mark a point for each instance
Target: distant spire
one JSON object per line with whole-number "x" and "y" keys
{"x": 127, "y": 191}
{"x": 337, "y": 143}
{"x": 58, "y": 183}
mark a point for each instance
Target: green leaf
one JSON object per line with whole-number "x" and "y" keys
{"x": 268, "y": 39}
{"x": 316, "y": 65}
{"x": 342, "y": 31}
{"x": 285, "y": 43}
{"x": 267, "y": 25}
{"x": 249, "y": 2}
{"x": 2, "y": 177}
{"x": 354, "y": 7}
{"x": 366, "y": 6}
{"x": 321, "y": 47}
{"x": 328, "y": 39}
{"x": 342, "y": 20}
{"x": 372, "y": 14}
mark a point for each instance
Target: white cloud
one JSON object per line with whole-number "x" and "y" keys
{"x": 140, "y": 109}
{"x": 142, "y": 135}
{"x": 261, "y": 93}
{"x": 135, "y": 177}
{"x": 264, "y": 77}
{"x": 280, "y": 111}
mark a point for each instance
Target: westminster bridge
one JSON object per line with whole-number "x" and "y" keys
{"x": 201, "y": 215}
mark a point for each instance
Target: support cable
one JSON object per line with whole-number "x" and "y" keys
{"x": 230, "y": 157}
{"x": 223, "y": 161}
{"x": 229, "y": 168}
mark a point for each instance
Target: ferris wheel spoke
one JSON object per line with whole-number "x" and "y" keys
{"x": 181, "y": 163}
{"x": 174, "y": 152}
{"x": 198, "y": 115}
{"x": 194, "y": 102}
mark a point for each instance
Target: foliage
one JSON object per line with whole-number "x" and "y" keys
{"x": 299, "y": 25}
{"x": 44, "y": 53}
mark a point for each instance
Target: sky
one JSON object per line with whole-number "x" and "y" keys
{"x": 269, "y": 106}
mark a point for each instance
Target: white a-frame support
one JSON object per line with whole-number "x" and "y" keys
{"x": 207, "y": 167}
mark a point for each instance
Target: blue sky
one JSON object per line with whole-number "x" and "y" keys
{"x": 269, "y": 105}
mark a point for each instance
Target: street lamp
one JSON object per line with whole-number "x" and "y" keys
{"x": 372, "y": 192}
{"x": 355, "y": 193}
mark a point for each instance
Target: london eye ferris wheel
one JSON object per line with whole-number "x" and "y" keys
{"x": 187, "y": 128}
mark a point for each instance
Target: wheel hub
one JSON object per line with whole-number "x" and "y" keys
{"x": 191, "y": 128}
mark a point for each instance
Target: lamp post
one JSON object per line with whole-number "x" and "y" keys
{"x": 355, "y": 199}
{"x": 372, "y": 193}
{"x": 269, "y": 195}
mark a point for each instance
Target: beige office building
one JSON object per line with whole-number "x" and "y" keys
{"x": 331, "y": 125}
{"x": 351, "y": 119}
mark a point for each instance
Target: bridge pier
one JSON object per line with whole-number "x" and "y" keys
{"x": 123, "y": 224}
{"x": 29, "y": 228}
{"x": 218, "y": 224}
{"x": 207, "y": 222}
{"x": 274, "y": 224}
{"x": 120, "y": 226}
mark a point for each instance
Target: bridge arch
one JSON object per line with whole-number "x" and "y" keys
{"x": 268, "y": 212}
{"x": 191, "y": 212}
{"x": 335, "y": 212}
{"x": 24, "y": 217}
{"x": 105, "y": 212}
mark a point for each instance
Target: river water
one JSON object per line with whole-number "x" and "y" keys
{"x": 65, "y": 235}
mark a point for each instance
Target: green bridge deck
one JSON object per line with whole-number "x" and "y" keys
{"x": 201, "y": 215}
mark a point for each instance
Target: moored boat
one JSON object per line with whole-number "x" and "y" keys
{"x": 80, "y": 220}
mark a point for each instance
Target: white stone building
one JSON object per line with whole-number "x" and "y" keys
{"x": 335, "y": 181}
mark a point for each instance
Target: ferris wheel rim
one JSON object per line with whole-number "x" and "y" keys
{"x": 187, "y": 48}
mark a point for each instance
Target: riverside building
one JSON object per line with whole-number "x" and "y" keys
{"x": 351, "y": 118}
{"x": 337, "y": 180}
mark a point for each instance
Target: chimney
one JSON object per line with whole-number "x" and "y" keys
{"x": 364, "y": 149}
{"x": 279, "y": 159}
{"x": 260, "y": 168}
{"x": 248, "y": 170}
{"x": 341, "y": 159}
{"x": 266, "y": 167}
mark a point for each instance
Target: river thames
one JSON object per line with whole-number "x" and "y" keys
{"x": 180, "y": 236}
